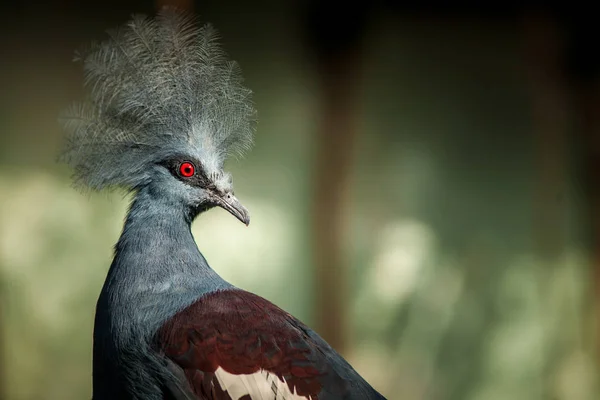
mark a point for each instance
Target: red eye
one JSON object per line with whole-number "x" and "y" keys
{"x": 187, "y": 169}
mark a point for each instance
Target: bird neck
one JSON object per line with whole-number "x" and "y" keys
{"x": 157, "y": 269}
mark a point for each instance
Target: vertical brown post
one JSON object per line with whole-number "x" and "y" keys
{"x": 584, "y": 69}
{"x": 335, "y": 144}
{"x": 544, "y": 54}
{"x": 334, "y": 41}
{"x": 589, "y": 97}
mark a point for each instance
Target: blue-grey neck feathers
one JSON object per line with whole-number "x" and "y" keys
{"x": 156, "y": 87}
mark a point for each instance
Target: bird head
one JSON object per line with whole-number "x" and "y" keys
{"x": 197, "y": 185}
{"x": 164, "y": 110}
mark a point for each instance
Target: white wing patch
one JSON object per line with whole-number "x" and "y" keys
{"x": 260, "y": 385}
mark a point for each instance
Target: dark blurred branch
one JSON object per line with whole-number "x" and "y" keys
{"x": 333, "y": 34}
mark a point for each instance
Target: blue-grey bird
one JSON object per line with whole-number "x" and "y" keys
{"x": 164, "y": 109}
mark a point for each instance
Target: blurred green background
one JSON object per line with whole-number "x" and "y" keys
{"x": 423, "y": 192}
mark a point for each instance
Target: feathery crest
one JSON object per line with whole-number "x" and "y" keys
{"x": 156, "y": 87}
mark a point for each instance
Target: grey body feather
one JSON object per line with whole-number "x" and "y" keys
{"x": 157, "y": 271}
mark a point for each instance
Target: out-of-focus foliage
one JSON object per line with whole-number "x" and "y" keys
{"x": 449, "y": 300}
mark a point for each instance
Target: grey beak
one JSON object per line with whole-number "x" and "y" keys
{"x": 230, "y": 203}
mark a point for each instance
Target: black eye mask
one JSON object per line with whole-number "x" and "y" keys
{"x": 189, "y": 171}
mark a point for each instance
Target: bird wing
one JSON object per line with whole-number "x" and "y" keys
{"x": 232, "y": 344}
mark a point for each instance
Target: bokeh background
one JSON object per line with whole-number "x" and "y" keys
{"x": 423, "y": 190}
